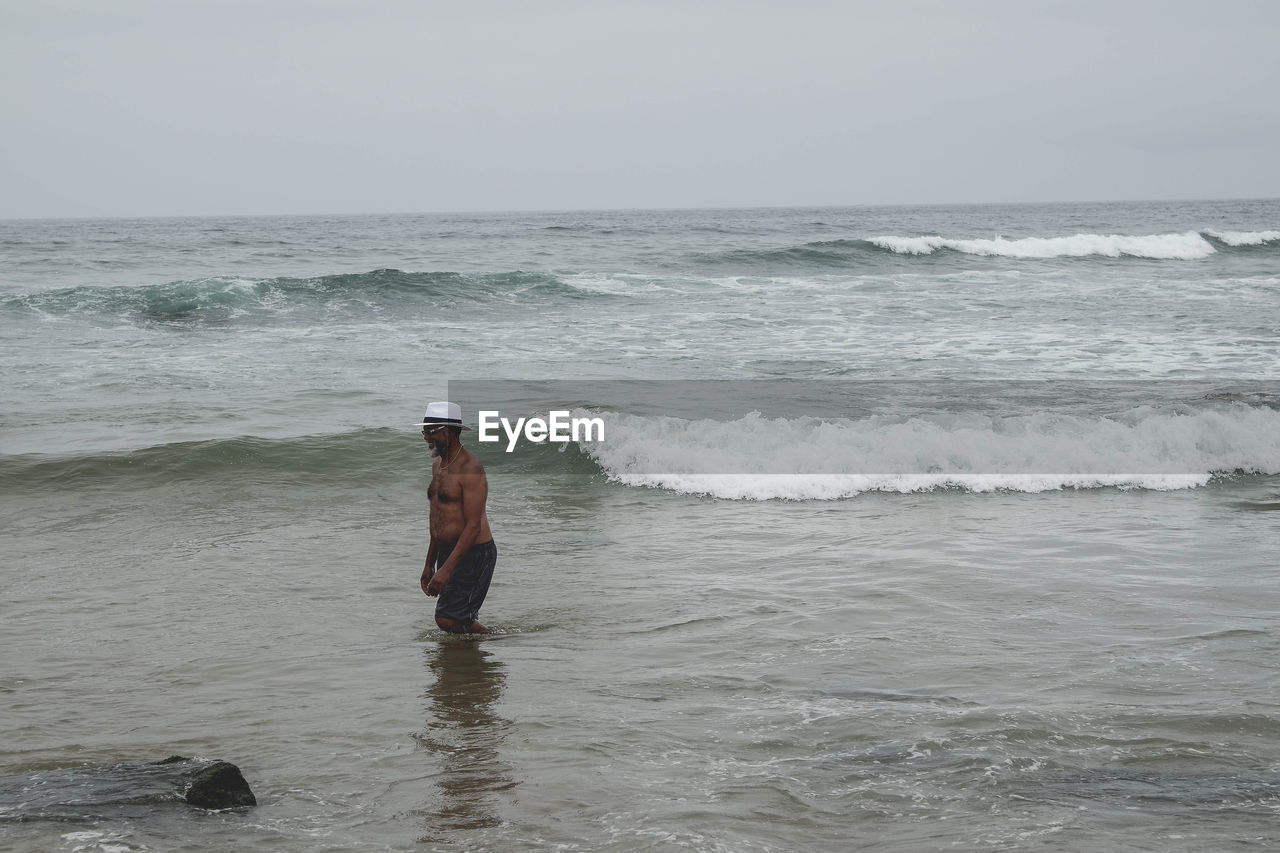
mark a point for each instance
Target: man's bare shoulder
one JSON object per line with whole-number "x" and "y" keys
{"x": 470, "y": 464}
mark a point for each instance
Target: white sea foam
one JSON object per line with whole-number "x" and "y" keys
{"x": 1188, "y": 245}
{"x": 100, "y": 842}
{"x": 1246, "y": 238}
{"x": 614, "y": 285}
{"x": 759, "y": 458}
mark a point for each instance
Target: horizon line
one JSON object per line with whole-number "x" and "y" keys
{"x": 641, "y": 209}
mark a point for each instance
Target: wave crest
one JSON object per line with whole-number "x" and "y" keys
{"x": 226, "y": 299}
{"x": 1188, "y": 245}
{"x": 759, "y": 458}
{"x": 356, "y": 457}
{"x": 1245, "y": 238}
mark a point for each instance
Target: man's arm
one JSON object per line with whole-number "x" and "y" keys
{"x": 475, "y": 491}
{"x": 428, "y": 569}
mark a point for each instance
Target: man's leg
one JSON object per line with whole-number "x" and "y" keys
{"x": 453, "y": 626}
{"x": 459, "y": 604}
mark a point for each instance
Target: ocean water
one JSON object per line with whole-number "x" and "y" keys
{"x": 928, "y": 528}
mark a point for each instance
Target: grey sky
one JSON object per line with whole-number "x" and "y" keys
{"x": 172, "y": 107}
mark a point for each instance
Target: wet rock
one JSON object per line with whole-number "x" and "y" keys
{"x": 219, "y": 786}
{"x": 128, "y": 790}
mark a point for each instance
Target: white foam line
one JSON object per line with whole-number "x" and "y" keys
{"x": 1188, "y": 245}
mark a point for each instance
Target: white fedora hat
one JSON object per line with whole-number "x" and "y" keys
{"x": 443, "y": 414}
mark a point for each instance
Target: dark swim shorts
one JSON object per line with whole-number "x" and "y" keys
{"x": 468, "y": 585}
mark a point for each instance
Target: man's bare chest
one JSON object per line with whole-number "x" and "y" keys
{"x": 444, "y": 490}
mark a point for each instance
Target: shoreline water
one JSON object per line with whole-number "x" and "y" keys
{"x": 215, "y": 518}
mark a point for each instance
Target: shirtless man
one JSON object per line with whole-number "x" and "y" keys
{"x": 461, "y": 555}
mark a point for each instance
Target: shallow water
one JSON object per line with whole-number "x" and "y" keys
{"x": 215, "y": 517}
{"x": 920, "y": 671}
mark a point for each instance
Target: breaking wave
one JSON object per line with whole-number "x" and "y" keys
{"x": 861, "y": 252}
{"x": 223, "y": 300}
{"x": 751, "y": 457}
{"x": 760, "y": 458}
{"x": 1245, "y": 238}
{"x": 1189, "y": 245}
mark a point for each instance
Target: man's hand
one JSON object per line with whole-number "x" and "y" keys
{"x": 426, "y": 581}
{"x": 437, "y": 583}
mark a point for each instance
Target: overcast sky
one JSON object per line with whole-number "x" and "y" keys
{"x": 178, "y": 107}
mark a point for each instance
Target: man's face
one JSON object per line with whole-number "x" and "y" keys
{"x": 436, "y": 438}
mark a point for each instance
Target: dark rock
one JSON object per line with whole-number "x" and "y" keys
{"x": 129, "y": 790}
{"x": 220, "y": 786}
